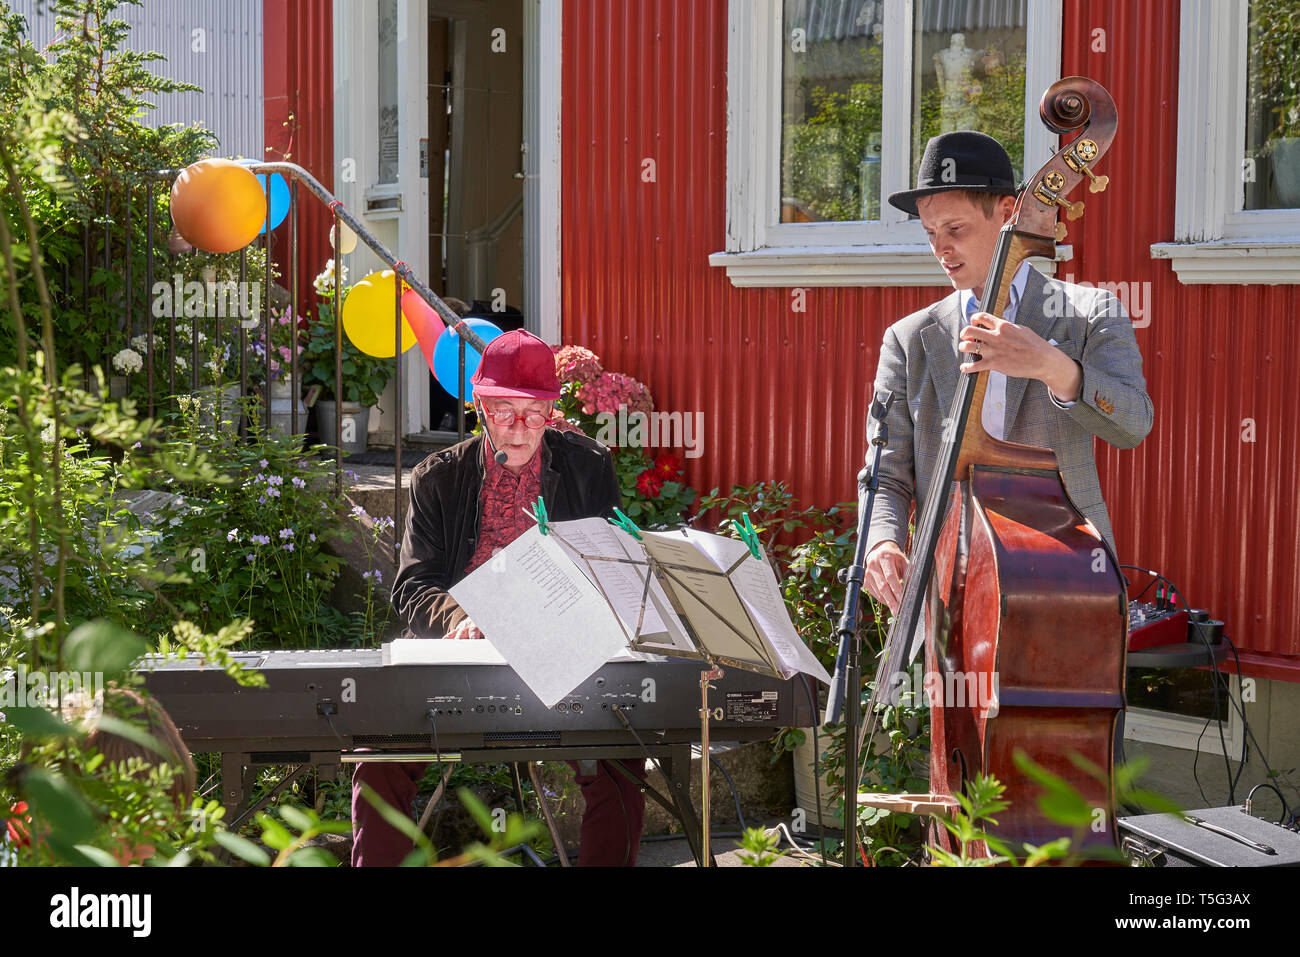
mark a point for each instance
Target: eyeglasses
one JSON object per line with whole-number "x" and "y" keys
{"x": 505, "y": 418}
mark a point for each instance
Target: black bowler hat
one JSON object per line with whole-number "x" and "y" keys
{"x": 963, "y": 159}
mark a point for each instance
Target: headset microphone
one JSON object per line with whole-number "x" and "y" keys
{"x": 500, "y": 455}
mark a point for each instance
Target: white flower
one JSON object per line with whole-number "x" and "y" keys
{"x": 324, "y": 283}
{"x": 181, "y": 363}
{"x": 140, "y": 343}
{"x": 128, "y": 361}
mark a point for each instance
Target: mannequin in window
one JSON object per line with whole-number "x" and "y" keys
{"x": 954, "y": 68}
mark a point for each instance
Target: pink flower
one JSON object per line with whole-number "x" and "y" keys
{"x": 614, "y": 389}
{"x": 576, "y": 364}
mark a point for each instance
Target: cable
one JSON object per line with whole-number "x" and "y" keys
{"x": 1214, "y": 683}
{"x": 740, "y": 816}
{"x": 817, "y": 759}
{"x": 1155, "y": 577}
{"x": 1241, "y": 765}
{"x": 628, "y": 726}
{"x": 798, "y": 849}
{"x": 1246, "y": 724}
{"x": 437, "y": 750}
{"x": 1197, "y": 757}
{"x": 1286, "y": 809}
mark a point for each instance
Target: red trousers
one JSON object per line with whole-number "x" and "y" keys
{"x": 611, "y": 824}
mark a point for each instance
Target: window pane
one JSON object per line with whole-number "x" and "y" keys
{"x": 831, "y": 74}
{"x": 1271, "y": 173}
{"x": 387, "y": 118}
{"x": 968, "y": 73}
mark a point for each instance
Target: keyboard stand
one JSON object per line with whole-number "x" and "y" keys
{"x": 239, "y": 769}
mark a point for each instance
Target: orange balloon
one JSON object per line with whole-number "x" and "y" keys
{"x": 218, "y": 205}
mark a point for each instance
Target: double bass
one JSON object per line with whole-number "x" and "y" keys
{"x": 1008, "y": 584}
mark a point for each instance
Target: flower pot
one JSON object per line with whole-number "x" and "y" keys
{"x": 282, "y": 400}
{"x": 218, "y": 405}
{"x": 355, "y": 422}
{"x": 805, "y": 793}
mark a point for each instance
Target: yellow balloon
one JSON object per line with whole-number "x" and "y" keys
{"x": 368, "y": 314}
{"x": 218, "y": 205}
{"x": 348, "y": 241}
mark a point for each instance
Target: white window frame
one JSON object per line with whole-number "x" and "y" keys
{"x": 762, "y": 251}
{"x": 543, "y": 31}
{"x": 1215, "y": 240}
{"x": 1174, "y": 730}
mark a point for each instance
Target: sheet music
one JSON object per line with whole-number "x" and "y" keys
{"x": 761, "y": 593}
{"x": 750, "y": 598}
{"x": 542, "y": 613}
{"x": 707, "y": 600}
{"x": 623, "y": 581}
{"x": 724, "y": 551}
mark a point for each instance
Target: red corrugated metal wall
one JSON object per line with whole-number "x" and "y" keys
{"x": 1214, "y": 512}
{"x": 784, "y": 395}
{"x": 298, "y": 39}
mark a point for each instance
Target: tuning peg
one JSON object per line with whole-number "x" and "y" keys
{"x": 1079, "y": 156}
{"x": 1072, "y": 210}
{"x": 1048, "y": 191}
{"x": 1098, "y": 184}
{"x": 1060, "y": 232}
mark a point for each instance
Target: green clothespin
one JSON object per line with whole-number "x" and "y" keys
{"x": 539, "y": 513}
{"x": 625, "y": 523}
{"x": 748, "y": 535}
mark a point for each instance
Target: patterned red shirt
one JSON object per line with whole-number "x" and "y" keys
{"x": 501, "y": 504}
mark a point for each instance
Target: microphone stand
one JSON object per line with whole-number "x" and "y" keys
{"x": 847, "y": 680}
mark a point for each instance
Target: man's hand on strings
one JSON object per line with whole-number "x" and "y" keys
{"x": 465, "y": 630}
{"x": 1019, "y": 352}
{"x": 885, "y": 569}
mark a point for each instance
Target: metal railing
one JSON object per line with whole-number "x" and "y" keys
{"x": 341, "y": 217}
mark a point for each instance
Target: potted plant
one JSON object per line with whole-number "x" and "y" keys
{"x": 364, "y": 379}
{"x": 274, "y": 370}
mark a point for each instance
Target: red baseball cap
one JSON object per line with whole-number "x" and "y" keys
{"x": 517, "y": 365}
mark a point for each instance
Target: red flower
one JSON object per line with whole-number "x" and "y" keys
{"x": 16, "y": 826}
{"x": 668, "y": 466}
{"x": 649, "y": 484}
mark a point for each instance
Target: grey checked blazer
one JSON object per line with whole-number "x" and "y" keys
{"x": 918, "y": 363}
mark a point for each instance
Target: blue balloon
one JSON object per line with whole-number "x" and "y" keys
{"x": 277, "y": 203}
{"x": 446, "y": 352}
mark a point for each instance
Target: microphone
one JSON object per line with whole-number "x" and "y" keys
{"x": 498, "y": 454}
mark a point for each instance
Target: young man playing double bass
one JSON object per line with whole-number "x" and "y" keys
{"x": 1063, "y": 361}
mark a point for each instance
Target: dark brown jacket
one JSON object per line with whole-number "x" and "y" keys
{"x": 442, "y": 518}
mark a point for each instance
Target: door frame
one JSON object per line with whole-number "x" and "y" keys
{"x": 355, "y": 91}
